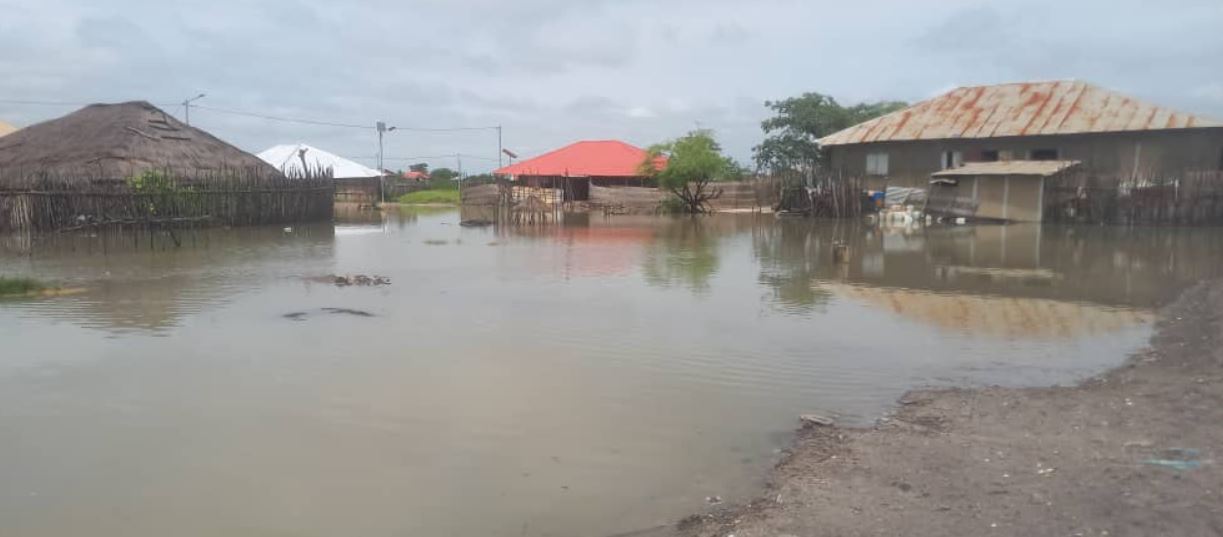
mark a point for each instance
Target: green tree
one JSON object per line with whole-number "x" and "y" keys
{"x": 693, "y": 162}
{"x": 792, "y": 135}
{"x": 444, "y": 174}
{"x": 422, "y": 167}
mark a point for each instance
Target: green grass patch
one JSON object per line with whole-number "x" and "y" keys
{"x": 19, "y": 286}
{"x": 430, "y": 196}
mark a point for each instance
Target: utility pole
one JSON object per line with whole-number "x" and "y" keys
{"x": 382, "y": 129}
{"x": 187, "y": 108}
{"x": 499, "y": 148}
{"x": 459, "y": 158}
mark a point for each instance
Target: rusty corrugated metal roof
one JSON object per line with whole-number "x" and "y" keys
{"x": 1042, "y": 168}
{"x": 1021, "y": 109}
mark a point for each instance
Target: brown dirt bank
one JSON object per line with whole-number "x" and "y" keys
{"x": 1100, "y": 458}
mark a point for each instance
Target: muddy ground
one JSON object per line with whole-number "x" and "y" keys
{"x": 1134, "y": 451}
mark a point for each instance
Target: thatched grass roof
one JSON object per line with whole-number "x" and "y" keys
{"x": 113, "y": 141}
{"x": 5, "y": 128}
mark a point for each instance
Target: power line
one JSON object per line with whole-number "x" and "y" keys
{"x": 343, "y": 125}
{"x": 269, "y": 117}
{"x": 62, "y": 103}
{"x": 41, "y": 103}
{"x": 282, "y": 118}
{"x": 432, "y": 157}
{"x": 446, "y": 129}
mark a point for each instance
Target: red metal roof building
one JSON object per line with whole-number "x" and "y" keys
{"x": 576, "y": 166}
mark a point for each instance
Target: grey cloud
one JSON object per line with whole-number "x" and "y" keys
{"x": 552, "y": 71}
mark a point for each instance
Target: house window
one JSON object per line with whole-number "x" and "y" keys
{"x": 952, "y": 159}
{"x": 876, "y": 163}
{"x": 989, "y": 155}
{"x": 1043, "y": 154}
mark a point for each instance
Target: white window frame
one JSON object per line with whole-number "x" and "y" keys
{"x": 956, "y": 158}
{"x": 877, "y": 163}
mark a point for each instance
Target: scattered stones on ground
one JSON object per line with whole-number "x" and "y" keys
{"x": 816, "y": 420}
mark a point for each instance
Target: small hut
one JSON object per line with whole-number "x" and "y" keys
{"x": 354, "y": 183}
{"x": 132, "y": 163}
{"x": 1004, "y": 191}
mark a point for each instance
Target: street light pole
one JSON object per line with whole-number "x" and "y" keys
{"x": 458, "y": 157}
{"x": 381, "y": 128}
{"x": 187, "y": 108}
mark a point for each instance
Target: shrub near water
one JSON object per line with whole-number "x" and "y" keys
{"x": 430, "y": 196}
{"x": 19, "y": 286}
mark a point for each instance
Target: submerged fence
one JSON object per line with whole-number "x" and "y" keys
{"x": 1187, "y": 198}
{"x": 826, "y": 195}
{"x": 162, "y": 198}
{"x": 1082, "y": 195}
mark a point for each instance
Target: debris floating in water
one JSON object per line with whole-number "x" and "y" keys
{"x": 360, "y": 280}
{"x": 302, "y": 315}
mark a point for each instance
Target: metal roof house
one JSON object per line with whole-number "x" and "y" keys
{"x": 1116, "y": 141}
{"x": 1062, "y": 120}
{"x": 577, "y": 166}
{"x": 354, "y": 183}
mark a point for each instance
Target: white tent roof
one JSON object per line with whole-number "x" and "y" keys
{"x": 287, "y": 159}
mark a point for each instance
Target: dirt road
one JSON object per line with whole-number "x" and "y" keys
{"x": 1136, "y": 451}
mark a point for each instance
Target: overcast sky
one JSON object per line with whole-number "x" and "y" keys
{"x": 555, "y": 71}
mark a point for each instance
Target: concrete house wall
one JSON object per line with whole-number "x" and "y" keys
{"x": 1143, "y": 154}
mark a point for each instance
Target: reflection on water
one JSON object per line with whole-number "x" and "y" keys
{"x": 597, "y": 377}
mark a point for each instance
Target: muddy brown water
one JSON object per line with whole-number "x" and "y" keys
{"x": 599, "y": 377}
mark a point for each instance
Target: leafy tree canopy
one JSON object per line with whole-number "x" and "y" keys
{"x": 791, "y": 134}
{"x": 444, "y": 174}
{"x": 695, "y": 157}
{"x": 693, "y": 161}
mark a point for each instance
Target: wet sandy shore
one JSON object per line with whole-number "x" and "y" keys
{"x": 1135, "y": 451}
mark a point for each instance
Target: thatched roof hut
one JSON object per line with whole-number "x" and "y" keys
{"x": 114, "y": 141}
{"x": 90, "y": 169}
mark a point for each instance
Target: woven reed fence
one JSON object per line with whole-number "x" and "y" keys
{"x": 626, "y": 196}
{"x": 483, "y": 195}
{"x": 751, "y": 194}
{"x": 163, "y": 198}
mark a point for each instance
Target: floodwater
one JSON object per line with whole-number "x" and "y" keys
{"x": 595, "y": 378}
